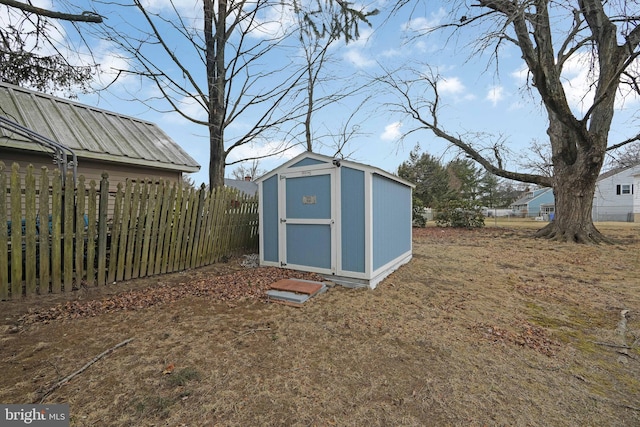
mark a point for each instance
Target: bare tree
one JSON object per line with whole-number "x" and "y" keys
{"x": 249, "y": 171}
{"x": 316, "y": 38}
{"x": 606, "y": 32}
{"x": 242, "y": 78}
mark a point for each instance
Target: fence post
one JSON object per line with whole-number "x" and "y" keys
{"x": 56, "y": 232}
{"x": 195, "y": 253}
{"x": 169, "y": 225}
{"x": 30, "y": 232}
{"x": 115, "y": 235}
{"x": 134, "y": 224}
{"x": 148, "y": 223}
{"x": 80, "y": 231}
{"x": 102, "y": 228}
{"x": 16, "y": 232}
{"x": 69, "y": 202}
{"x": 167, "y": 202}
{"x": 45, "y": 235}
{"x": 137, "y": 250}
{"x": 174, "y": 249}
{"x": 4, "y": 247}
{"x": 91, "y": 234}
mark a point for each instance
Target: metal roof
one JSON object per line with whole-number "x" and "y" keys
{"x": 92, "y": 133}
{"x": 248, "y": 187}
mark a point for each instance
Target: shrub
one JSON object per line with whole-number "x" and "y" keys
{"x": 459, "y": 214}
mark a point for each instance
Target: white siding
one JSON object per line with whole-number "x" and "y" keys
{"x": 610, "y": 203}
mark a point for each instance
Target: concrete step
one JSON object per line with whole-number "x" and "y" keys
{"x": 295, "y": 291}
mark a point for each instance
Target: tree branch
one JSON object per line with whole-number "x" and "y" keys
{"x": 83, "y": 17}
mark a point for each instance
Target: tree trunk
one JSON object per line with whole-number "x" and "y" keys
{"x": 576, "y": 167}
{"x": 215, "y": 42}
{"x": 216, "y": 160}
{"x": 572, "y": 219}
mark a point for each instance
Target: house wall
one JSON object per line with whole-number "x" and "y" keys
{"x": 391, "y": 204}
{"x": 636, "y": 198}
{"x": 610, "y": 206}
{"x": 90, "y": 169}
{"x": 534, "y": 205}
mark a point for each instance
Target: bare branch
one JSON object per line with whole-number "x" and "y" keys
{"x": 83, "y": 17}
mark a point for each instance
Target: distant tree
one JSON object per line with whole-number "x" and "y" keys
{"x": 251, "y": 170}
{"x": 187, "y": 181}
{"x": 464, "y": 179}
{"x": 26, "y": 31}
{"x": 630, "y": 156}
{"x": 496, "y": 192}
{"x": 429, "y": 176}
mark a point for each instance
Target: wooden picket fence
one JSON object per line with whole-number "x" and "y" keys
{"x": 60, "y": 236}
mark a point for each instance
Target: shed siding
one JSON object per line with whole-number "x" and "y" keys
{"x": 391, "y": 220}
{"x": 309, "y": 245}
{"x": 307, "y": 162}
{"x": 352, "y": 220}
{"x": 270, "y": 219}
{"x": 317, "y": 188}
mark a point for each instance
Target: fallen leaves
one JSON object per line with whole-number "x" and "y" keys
{"x": 530, "y": 336}
{"x": 245, "y": 284}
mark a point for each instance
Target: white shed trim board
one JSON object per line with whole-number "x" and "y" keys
{"x": 330, "y": 237}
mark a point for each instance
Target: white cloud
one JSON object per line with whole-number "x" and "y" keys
{"x": 264, "y": 149}
{"x": 358, "y": 58}
{"x": 355, "y": 50}
{"x": 392, "y": 132}
{"x": 451, "y": 85}
{"x": 423, "y": 24}
{"x": 578, "y": 79}
{"x": 495, "y": 94}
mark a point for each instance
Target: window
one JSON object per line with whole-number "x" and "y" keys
{"x": 624, "y": 189}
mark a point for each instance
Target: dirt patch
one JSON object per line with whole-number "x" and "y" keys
{"x": 482, "y": 327}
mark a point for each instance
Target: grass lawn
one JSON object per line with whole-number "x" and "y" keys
{"x": 482, "y": 327}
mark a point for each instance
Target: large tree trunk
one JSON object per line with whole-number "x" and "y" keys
{"x": 215, "y": 42}
{"x": 576, "y": 167}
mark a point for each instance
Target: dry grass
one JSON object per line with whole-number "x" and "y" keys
{"x": 485, "y": 327}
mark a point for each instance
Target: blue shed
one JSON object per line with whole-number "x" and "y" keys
{"x": 347, "y": 221}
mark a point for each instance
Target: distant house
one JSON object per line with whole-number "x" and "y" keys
{"x": 616, "y": 197}
{"x": 43, "y": 130}
{"x": 244, "y": 185}
{"x": 534, "y": 204}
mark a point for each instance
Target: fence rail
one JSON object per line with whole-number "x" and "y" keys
{"x": 59, "y": 237}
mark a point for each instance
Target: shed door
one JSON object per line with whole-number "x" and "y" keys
{"x": 307, "y": 221}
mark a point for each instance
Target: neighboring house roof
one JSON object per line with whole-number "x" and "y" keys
{"x": 617, "y": 170}
{"x": 247, "y": 187}
{"x": 529, "y": 197}
{"x": 92, "y": 133}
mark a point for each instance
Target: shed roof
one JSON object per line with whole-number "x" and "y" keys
{"x": 92, "y": 133}
{"x": 329, "y": 160}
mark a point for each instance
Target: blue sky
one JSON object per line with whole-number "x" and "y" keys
{"x": 476, "y": 98}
